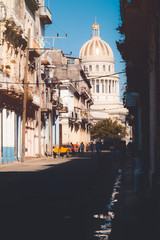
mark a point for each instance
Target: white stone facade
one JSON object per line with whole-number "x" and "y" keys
{"x": 75, "y": 96}
{"x": 97, "y": 58}
{"x": 16, "y": 17}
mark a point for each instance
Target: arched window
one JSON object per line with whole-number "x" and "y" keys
{"x": 97, "y": 68}
{"x": 90, "y": 68}
{"x": 104, "y": 68}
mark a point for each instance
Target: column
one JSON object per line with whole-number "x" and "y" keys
{"x": 106, "y": 86}
{"x": 93, "y": 86}
{"x": 50, "y": 133}
{"x": 117, "y": 85}
{"x": 109, "y": 87}
{"x": 57, "y": 129}
{"x": 102, "y": 81}
{"x": 113, "y": 86}
{"x": 100, "y": 86}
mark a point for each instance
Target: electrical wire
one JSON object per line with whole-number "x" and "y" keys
{"x": 102, "y": 110}
{"x": 72, "y": 81}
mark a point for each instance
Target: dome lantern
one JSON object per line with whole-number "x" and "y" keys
{"x": 96, "y": 48}
{"x": 95, "y": 30}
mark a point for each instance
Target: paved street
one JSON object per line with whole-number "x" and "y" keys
{"x": 55, "y": 198}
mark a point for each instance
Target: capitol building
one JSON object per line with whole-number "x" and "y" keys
{"x": 97, "y": 59}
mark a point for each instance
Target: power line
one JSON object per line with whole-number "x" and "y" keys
{"x": 100, "y": 110}
{"x": 72, "y": 81}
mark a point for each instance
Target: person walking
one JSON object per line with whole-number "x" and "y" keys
{"x": 98, "y": 147}
{"x": 91, "y": 147}
{"x": 73, "y": 152}
{"x": 82, "y": 148}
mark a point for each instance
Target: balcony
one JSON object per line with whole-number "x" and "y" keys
{"x": 79, "y": 118}
{"x": 45, "y": 15}
{"x": 56, "y": 105}
{"x": 36, "y": 100}
{"x": 14, "y": 21}
{"x": 4, "y": 79}
{"x": 85, "y": 93}
{"x": 64, "y": 110}
{"x": 34, "y": 50}
{"x": 46, "y": 60}
{"x": 33, "y": 5}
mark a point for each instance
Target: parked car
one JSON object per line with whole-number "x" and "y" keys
{"x": 70, "y": 148}
{"x": 65, "y": 149}
{"x": 61, "y": 151}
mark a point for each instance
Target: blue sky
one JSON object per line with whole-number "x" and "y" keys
{"x": 76, "y": 19}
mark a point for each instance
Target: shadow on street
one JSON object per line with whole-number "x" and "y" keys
{"x": 58, "y": 202}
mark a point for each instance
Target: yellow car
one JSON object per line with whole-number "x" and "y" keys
{"x": 61, "y": 151}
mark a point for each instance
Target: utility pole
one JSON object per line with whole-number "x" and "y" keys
{"x": 25, "y": 99}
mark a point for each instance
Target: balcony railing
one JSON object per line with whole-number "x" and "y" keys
{"x": 13, "y": 20}
{"x": 4, "y": 79}
{"x": 36, "y": 100}
{"x": 45, "y": 15}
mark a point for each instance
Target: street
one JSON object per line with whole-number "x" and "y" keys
{"x": 56, "y": 198}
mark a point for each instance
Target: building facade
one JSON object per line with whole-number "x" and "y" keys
{"x": 75, "y": 98}
{"x": 15, "y": 23}
{"x": 140, "y": 49}
{"x": 97, "y": 58}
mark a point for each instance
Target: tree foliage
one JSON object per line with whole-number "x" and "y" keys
{"x": 108, "y": 128}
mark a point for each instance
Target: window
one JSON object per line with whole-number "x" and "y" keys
{"x": 109, "y": 68}
{"x": 104, "y": 68}
{"x": 97, "y": 68}
{"x": 97, "y": 88}
{"x": 70, "y": 61}
{"x": 90, "y": 68}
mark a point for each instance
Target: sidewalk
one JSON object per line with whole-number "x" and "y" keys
{"x": 33, "y": 164}
{"x": 136, "y": 217}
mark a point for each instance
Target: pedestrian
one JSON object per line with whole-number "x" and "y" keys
{"x": 73, "y": 152}
{"x": 91, "y": 147}
{"x": 82, "y": 148}
{"x": 98, "y": 147}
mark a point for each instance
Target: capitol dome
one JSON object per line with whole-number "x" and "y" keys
{"x": 96, "y": 49}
